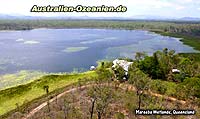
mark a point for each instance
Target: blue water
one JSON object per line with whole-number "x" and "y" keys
{"x": 43, "y": 49}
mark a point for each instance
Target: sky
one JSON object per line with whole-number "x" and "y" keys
{"x": 162, "y": 8}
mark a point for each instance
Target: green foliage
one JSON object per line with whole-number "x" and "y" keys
{"x": 104, "y": 74}
{"x": 46, "y": 88}
{"x": 160, "y": 65}
{"x": 103, "y": 96}
{"x": 192, "y": 85}
{"x": 137, "y": 77}
{"x": 159, "y": 86}
{"x": 104, "y": 64}
{"x": 179, "y": 77}
{"x": 119, "y": 73}
{"x": 163, "y": 87}
{"x": 139, "y": 56}
{"x": 192, "y": 56}
{"x": 119, "y": 115}
{"x": 150, "y": 66}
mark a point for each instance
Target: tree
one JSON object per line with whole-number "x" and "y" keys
{"x": 93, "y": 97}
{"x": 103, "y": 99}
{"x": 93, "y": 101}
{"x": 46, "y": 88}
{"x": 193, "y": 86}
{"x": 100, "y": 98}
{"x": 140, "y": 82}
{"x": 139, "y": 56}
{"x": 150, "y": 66}
{"x": 119, "y": 73}
{"x": 104, "y": 73}
{"x": 66, "y": 108}
{"x": 160, "y": 65}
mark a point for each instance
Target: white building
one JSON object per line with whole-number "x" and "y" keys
{"x": 92, "y": 68}
{"x": 122, "y": 63}
{"x": 175, "y": 71}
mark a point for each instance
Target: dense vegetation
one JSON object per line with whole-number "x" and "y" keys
{"x": 191, "y": 28}
{"x": 183, "y": 84}
{"x": 160, "y": 65}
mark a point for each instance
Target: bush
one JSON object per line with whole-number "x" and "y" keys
{"x": 119, "y": 115}
{"x": 192, "y": 85}
{"x": 163, "y": 87}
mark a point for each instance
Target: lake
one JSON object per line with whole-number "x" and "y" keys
{"x": 65, "y": 50}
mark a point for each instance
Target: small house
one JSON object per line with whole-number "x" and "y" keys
{"x": 176, "y": 71}
{"x": 92, "y": 68}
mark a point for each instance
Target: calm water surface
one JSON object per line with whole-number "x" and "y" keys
{"x": 63, "y": 50}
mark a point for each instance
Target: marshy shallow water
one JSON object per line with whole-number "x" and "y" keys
{"x": 63, "y": 50}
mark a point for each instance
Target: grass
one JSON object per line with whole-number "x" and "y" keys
{"x": 192, "y": 56}
{"x": 10, "y": 98}
{"x": 74, "y": 49}
{"x": 190, "y": 40}
{"x": 19, "y": 78}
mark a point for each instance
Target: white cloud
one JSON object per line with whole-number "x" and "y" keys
{"x": 179, "y": 7}
{"x": 187, "y": 1}
{"x": 19, "y": 40}
{"x": 183, "y": 1}
{"x": 135, "y": 7}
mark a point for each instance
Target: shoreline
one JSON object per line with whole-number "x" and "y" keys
{"x": 181, "y": 38}
{"x": 185, "y": 39}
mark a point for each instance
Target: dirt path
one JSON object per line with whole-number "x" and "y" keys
{"x": 122, "y": 86}
{"x": 51, "y": 100}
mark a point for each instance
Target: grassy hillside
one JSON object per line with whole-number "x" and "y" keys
{"x": 14, "y": 97}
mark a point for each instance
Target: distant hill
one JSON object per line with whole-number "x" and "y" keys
{"x": 137, "y": 17}
{"x": 190, "y": 19}
{"x": 5, "y": 16}
{"x": 150, "y": 17}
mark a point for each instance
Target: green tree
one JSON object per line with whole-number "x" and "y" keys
{"x": 192, "y": 86}
{"x": 139, "y": 56}
{"x": 101, "y": 97}
{"x": 140, "y": 81}
{"x": 119, "y": 73}
{"x": 46, "y": 88}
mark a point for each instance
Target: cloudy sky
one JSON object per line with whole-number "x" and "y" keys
{"x": 164, "y": 8}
